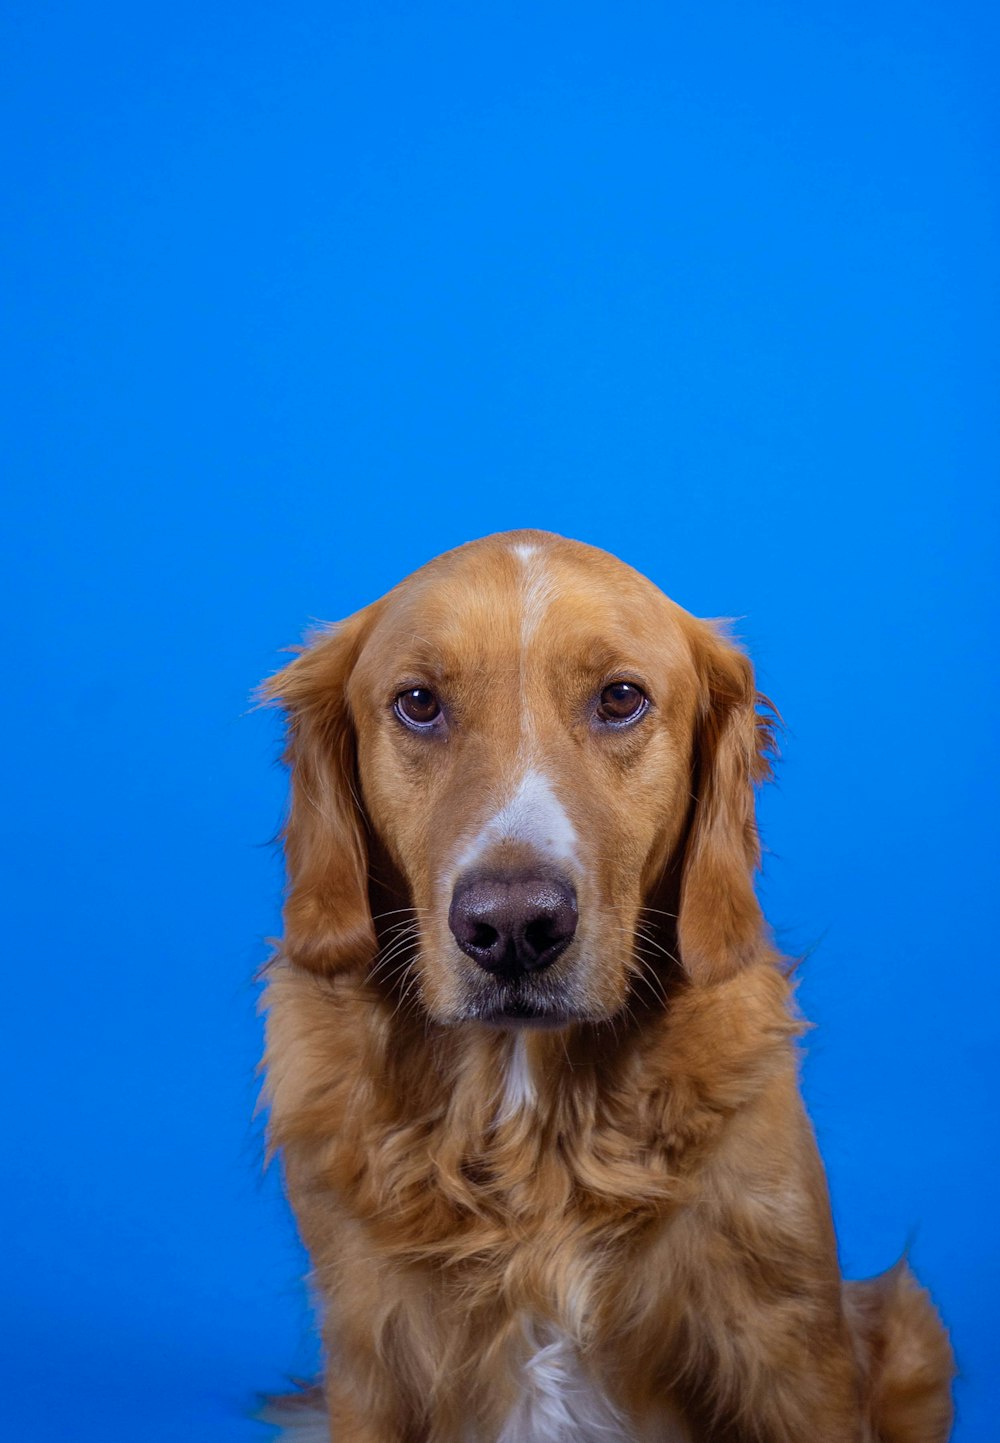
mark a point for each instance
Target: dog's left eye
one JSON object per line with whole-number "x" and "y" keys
{"x": 622, "y": 701}
{"x": 417, "y": 707}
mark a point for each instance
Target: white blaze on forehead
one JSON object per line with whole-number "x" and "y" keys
{"x": 537, "y": 591}
{"x": 534, "y": 815}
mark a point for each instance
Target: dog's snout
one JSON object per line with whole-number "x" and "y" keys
{"x": 513, "y": 925}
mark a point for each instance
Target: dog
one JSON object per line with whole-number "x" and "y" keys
{"x": 531, "y": 1051}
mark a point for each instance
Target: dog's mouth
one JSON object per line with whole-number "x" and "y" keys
{"x": 518, "y": 1013}
{"x": 514, "y": 1004}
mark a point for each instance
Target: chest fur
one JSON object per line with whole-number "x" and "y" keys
{"x": 560, "y": 1403}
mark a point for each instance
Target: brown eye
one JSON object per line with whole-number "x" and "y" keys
{"x": 417, "y": 707}
{"x": 622, "y": 702}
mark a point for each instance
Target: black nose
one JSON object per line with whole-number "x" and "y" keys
{"x": 513, "y": 925}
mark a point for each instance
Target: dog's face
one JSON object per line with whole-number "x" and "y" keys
{"x": 533, "y": 734}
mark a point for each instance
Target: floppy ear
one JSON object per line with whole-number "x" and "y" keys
{"x": 328, "y": 923}
{"x": 720, "y": 924}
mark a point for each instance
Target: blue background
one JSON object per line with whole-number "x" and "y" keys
{"x": 298, "y": 296}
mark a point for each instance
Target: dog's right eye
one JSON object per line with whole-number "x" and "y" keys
{"x": 417, "y": 707}
{"x": 622, "y": 702}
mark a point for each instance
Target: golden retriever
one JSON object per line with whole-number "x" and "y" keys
{"x": 531, "y": 1058}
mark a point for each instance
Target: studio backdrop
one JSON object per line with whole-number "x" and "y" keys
{"x": 297, "y": 297}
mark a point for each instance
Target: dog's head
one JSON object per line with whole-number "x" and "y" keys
{"x": 525, "y": 742}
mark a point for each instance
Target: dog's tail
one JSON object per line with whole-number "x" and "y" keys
{"x": 300, "y": 1416}
{"x": 906, "y": 1356}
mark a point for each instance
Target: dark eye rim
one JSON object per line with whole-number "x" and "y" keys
{"x": 410, "y": 722}
{"x": 619, "y": 723}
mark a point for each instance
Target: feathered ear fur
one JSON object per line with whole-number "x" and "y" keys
{"x": 720, "y": 924}
{"x": 328, "y": 923}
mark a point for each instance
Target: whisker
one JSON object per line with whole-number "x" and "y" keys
{"x": 648, "y": 977}
{"x": 392, "y": 911}
{"x": 400, "y": 944}
{"x": 389, "y": 977}
{"x": 402, "y": 926}
{"x": 404, "y": 945}
{"x": 404, "y": 998}
{"x": 653, "y": 963}
{"x": 402, "y": 929}
{"x": 652, "y": 942}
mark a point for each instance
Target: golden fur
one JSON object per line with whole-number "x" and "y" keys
{"x": 635, "y": 1184}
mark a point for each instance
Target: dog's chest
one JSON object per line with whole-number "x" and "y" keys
{"x": 559, "y": 1403}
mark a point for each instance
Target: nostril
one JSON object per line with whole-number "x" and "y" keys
{"x": 541, "y": 934}
{"x": 483, "y": 936}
